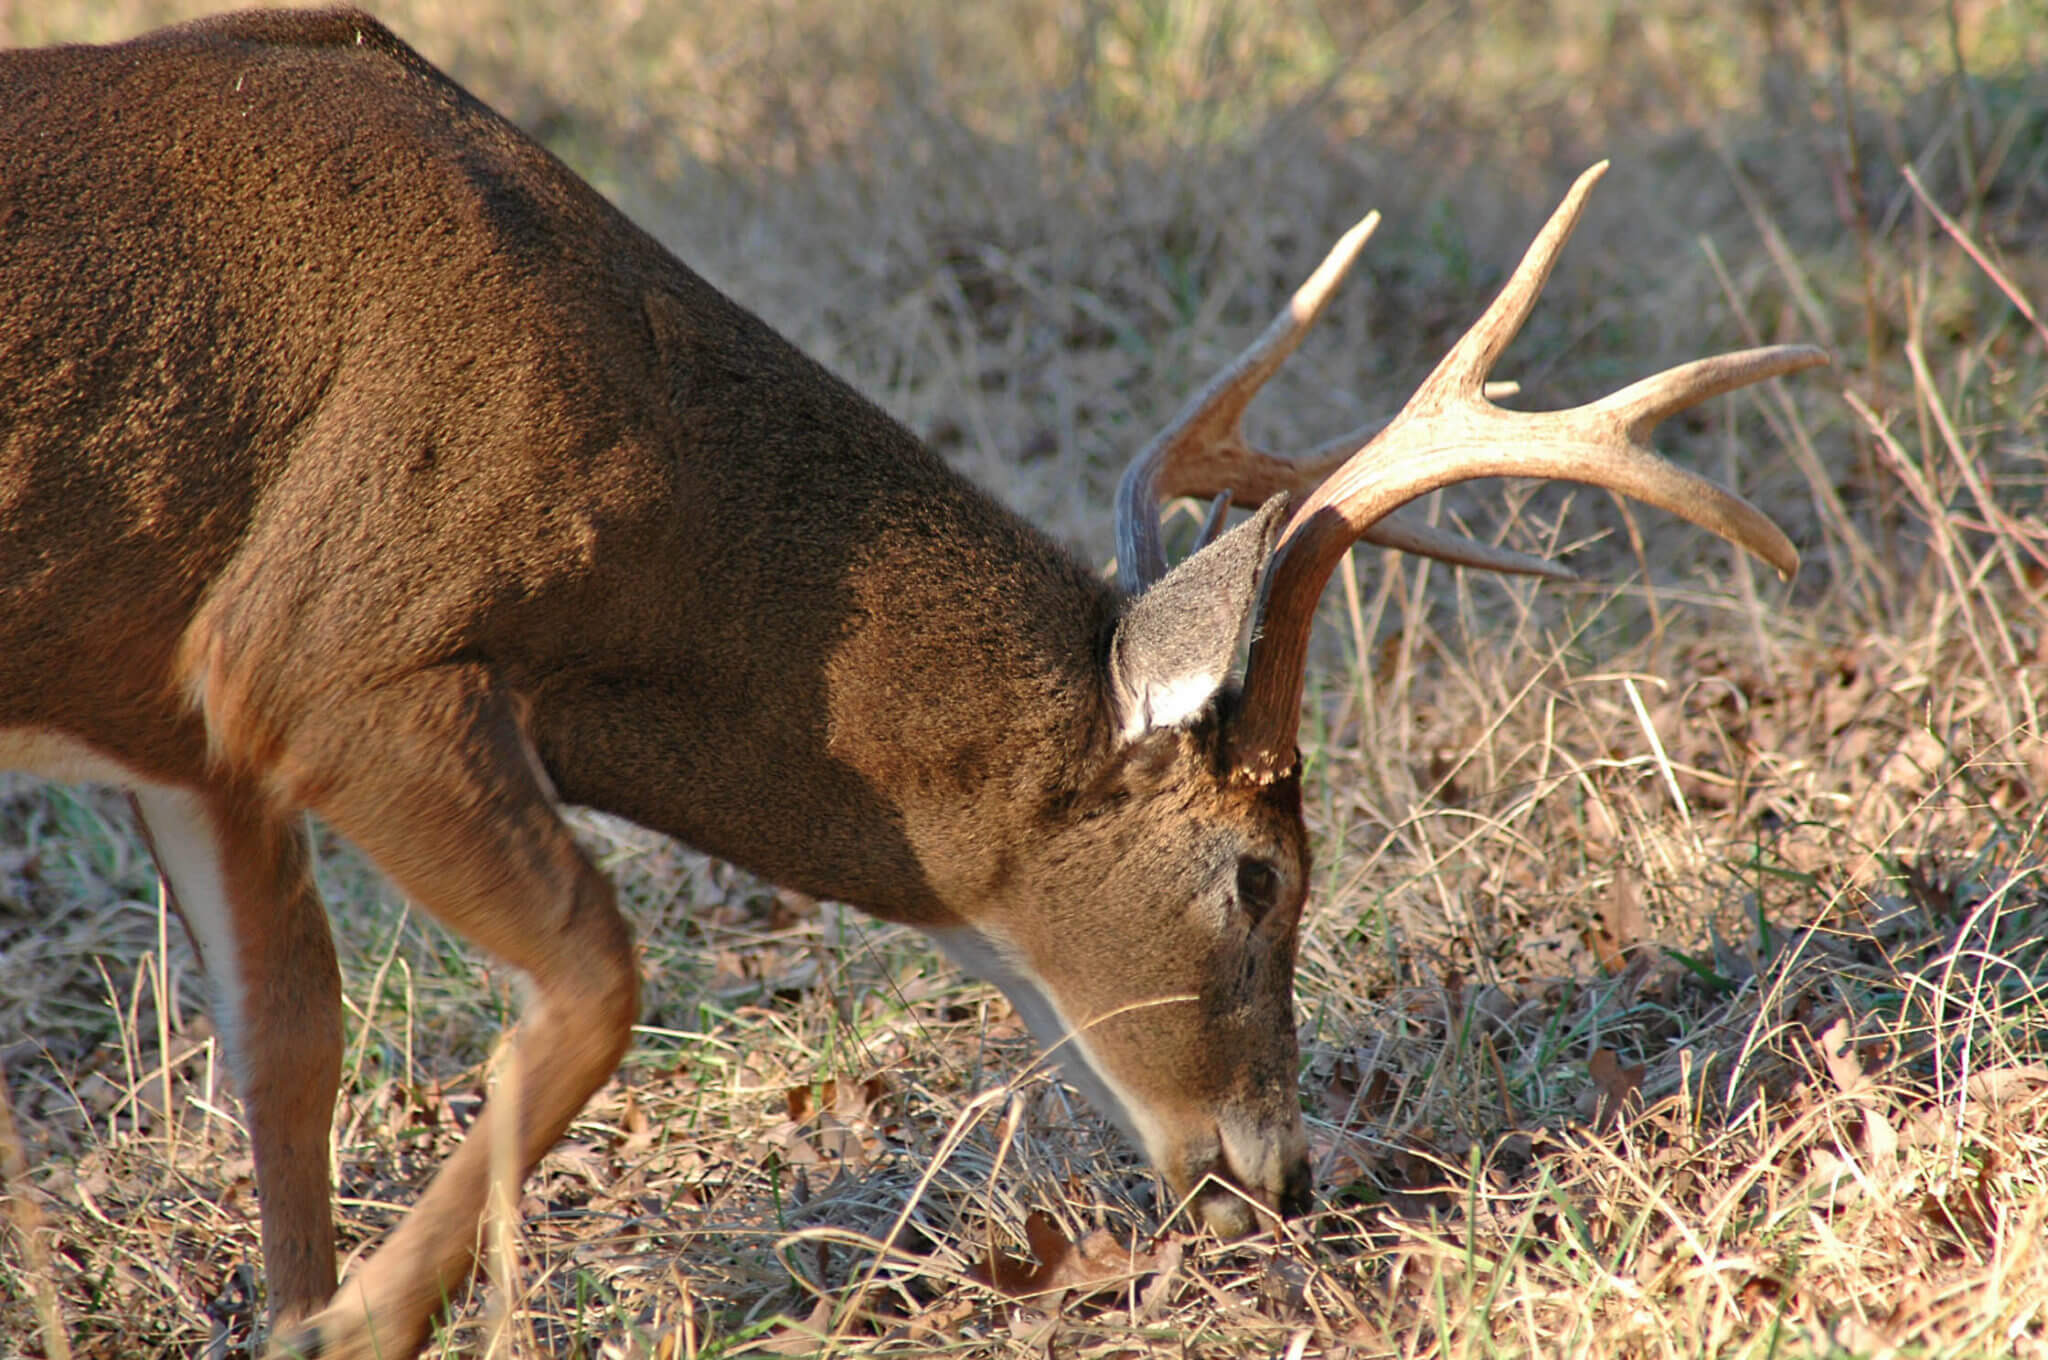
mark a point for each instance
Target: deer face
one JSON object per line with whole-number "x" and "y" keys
{"x": 1157, "y": 966}
{"x": 1148, "y": 937}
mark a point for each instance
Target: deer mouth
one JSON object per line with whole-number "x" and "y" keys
{"x": 1232, "y": 1202}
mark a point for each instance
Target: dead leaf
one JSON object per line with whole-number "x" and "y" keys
{"x": 943, "y": 1320}
{"x": 1881, "y": 1146}
{"x": 1342, "y": 1160}
{"x": 638, "y": 1128}
{"x": 1844, "y": 1067}
{"x": 1615, "y": 1084}
{"x": 1096, "y": 1262}
{"x": 791, "y": 908}
{"x": 1967, "y": 1206}
{"x": 871, "y": 1092}
{"x": 1283, "y": 1289}
{"x": 1831, "y": 1179}
{"x": 1152, "y": 1302}
{"x": 802, "y": 1338}
{"x": 1490, "y": 1006}
{"x": 1034, "y": 1329}
{"x": 1760, "y": 1295}
{"x": 1913, "y": 764}
{"x": 2020, "y": 1084}
{"x": 1622, "y": 924}
{"x": 1365, "y": 1334}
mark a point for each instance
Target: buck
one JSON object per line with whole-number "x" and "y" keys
{"x": 358, "y": 458}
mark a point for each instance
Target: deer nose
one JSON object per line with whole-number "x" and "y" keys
{"x": 1259, "y": 1161}
{"x": 1226, "y": 1204}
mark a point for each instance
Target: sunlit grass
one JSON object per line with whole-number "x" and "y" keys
{"x": 1776, "y": 852}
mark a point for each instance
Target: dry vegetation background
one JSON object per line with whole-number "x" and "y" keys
{"x": 1674, "y": 982}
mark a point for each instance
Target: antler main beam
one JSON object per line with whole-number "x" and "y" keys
{"x": 1449, "y": 432}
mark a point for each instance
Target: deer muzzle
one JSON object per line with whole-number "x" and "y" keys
{"x": 1234, "y": 1166}
{"x": 1257, "y": 1171}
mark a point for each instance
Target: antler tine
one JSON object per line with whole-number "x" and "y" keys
{"x": 1210, "y": 425}
{"x": 1409, "y": 536}
{"x": 1204, "y": 453}
{"x": 1212, "y": 523}
{"x": 1449, "y": 432}
{"x": 1647, "y": 402}
{"x": 1464, "y": 369}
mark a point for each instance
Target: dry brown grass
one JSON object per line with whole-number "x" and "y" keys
{"x": 1675, "y": 979}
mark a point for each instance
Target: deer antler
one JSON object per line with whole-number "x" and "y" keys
{"x": 1203, "y": 451}
{"x": 1450, "y": 432}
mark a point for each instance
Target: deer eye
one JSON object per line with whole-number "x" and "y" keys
{"x": 1258, "y": 887}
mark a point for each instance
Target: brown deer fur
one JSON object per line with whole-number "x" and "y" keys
{"x": 355, "y": 456}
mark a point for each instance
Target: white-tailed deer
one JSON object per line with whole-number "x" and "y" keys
{"x": 357, "y": 457}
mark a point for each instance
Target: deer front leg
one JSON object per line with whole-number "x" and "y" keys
{"x": 242, "y": 881}
{"x": 433, "y": 778}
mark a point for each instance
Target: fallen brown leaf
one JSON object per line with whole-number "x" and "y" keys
{"x": 1615, "y": 1084}
{"x": 943, "y": 1319}
{"x": 1843, "y": 1064}
{"x": 1621, "y": 924}
{"x": 1095, "y": 1262}
{"x": 801, "y": 1338}
{"x": 1152, "y": 1302}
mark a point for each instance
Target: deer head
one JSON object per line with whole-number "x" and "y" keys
{"x": 1156, "y": 957}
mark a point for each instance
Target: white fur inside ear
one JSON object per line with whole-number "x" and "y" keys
{"x": 1170, "y": 703}
{"x": 1177, "y": 644}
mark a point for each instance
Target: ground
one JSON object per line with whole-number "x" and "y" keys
{"x": 1674, "y": 979}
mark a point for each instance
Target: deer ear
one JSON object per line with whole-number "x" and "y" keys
{"x": 1178, "y": 644}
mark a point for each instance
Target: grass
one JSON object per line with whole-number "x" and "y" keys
{"x": 1674, "y": 982}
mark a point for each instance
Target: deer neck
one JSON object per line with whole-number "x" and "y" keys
{"x": 878, "y": 716}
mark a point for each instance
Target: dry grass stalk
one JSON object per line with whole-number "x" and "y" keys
{"x": 1676, "y": 983}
